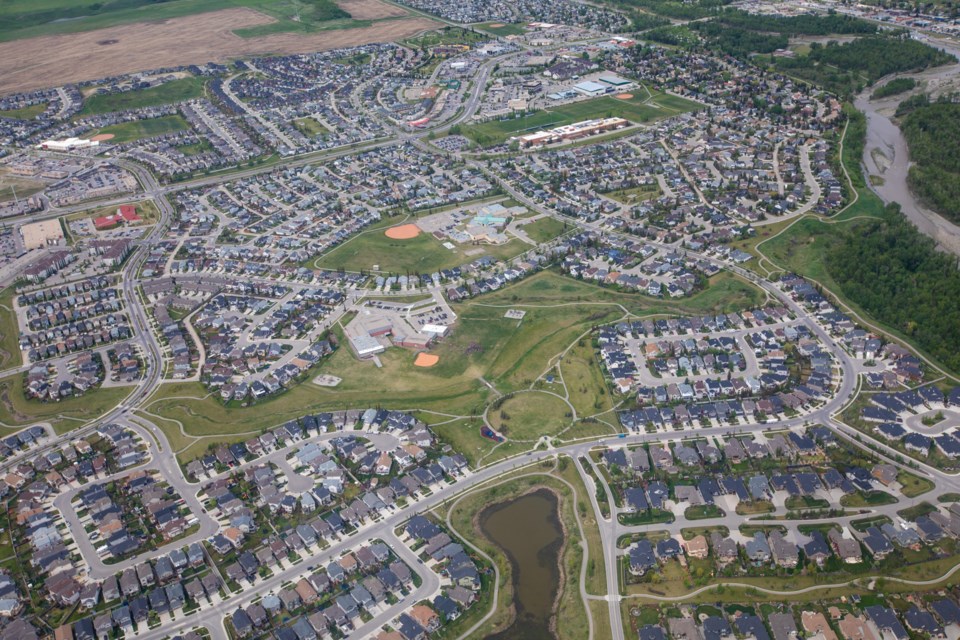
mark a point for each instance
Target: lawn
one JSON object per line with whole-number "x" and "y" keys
{"x": 636, "y": 194}
{"x": 16, "y": 410}
{"x": 917, "y": 510}
{"x": 703, "y": 512}
{"x": 195, "y": 148}
{"x": 166, "y": 93}
{"x": 137, "y": 129}
{"x": 423, "y": 254}
{"x": 527, "y": 416}
{"x": 912, "y": 485}
{"x": 484, "y": 347}
{"x": 26, "y": 113}
{"x": 544, "y": 229}
{"x": 639, "y": 109}
{"x": 26, "y": 18}
{"x": 310, "y": 127}
{"x": 9, "y": 331}
{"x": 867, "y": 499}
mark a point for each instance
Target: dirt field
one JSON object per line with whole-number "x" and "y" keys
{"x": 370, "y": 9}
{"x": 426, "y": 360}
{"x": 402, "y": 232}
{"x": 49, "y": 61}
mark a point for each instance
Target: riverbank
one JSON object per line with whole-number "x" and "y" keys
{"x": 887, "y": 155}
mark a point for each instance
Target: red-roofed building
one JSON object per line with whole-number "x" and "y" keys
{"x": 126, "y": 213}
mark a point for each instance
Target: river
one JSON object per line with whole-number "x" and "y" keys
{"x": 529, "y": 532}
{"x": 886, "y": 154}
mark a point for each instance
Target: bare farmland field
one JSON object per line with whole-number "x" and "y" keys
{"x": 47, "y": 61}
{"x": 370, "y": 9}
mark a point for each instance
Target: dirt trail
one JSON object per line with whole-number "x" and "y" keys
{"x": 47, "y": 61}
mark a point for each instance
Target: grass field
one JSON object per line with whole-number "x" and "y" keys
{"x": 544, "y": 229}
{"x": 196, "y": 148}
{"x": 17, "y": 411}
{"x": 446, "y": 36}
{"x": 639, "y": 109}
{"x": 167, "y": 93}
{"x": 137, "y": 129}
{"x": 527, "y": 416}
{"x": 11, "y": 185}
{"x": 484, "y": 348}
{"x": 511, "y": 29}
{"x": 9, "y": 331}
{"x": 310, "y": 127}
{"x": 423, "y": 254}
{"x": 26, "y": 113}
{"x": 25, "y": 18}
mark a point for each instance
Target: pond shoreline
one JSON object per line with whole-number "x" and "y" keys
{"x": 481, "y": 522}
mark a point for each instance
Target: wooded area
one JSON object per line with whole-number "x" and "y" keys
{"x": 896, "y": 274}
{"x": 933, "y": 134}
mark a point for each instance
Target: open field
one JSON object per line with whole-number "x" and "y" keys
{"x": 167, "y": 93}
{"x": 25, "y": 113}
{"x": 173, "y": 41}
{"x": 446, "y": 36}
{"x": 422, "y": 254}
{"x": 20, "y": 186}
{"x": 527, "y": 416}
{"x": 17, "y": 411}
{"x": 501, "y": 29}
{"x": 137, "y": 129}
{"x": 310, "y": 127}
{"x": 370, "y": 9}
{"x": 9, "y": 331}
{"x": 642, "y": 108}
{"x": 484, "y": 347}
{"x": 544, "y": 229}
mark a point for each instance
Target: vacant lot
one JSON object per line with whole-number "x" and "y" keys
{"x": 51, "y": 60}
{"x": 639, "y": 109}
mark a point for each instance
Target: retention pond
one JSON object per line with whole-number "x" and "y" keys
{"x": 529, "y": 532}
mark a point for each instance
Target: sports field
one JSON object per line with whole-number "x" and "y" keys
{"x": 639, "y": 109}
{"x": 136, "y": 129}
{"x": 422, "y": 254}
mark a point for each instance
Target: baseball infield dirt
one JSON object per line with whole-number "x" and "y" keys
{"x": 402, "y": 232}
{"x": 425, "y": 360}
{"x": 49, "y": 61}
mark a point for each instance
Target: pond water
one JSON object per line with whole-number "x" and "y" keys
{"x": 528, "y": 531}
